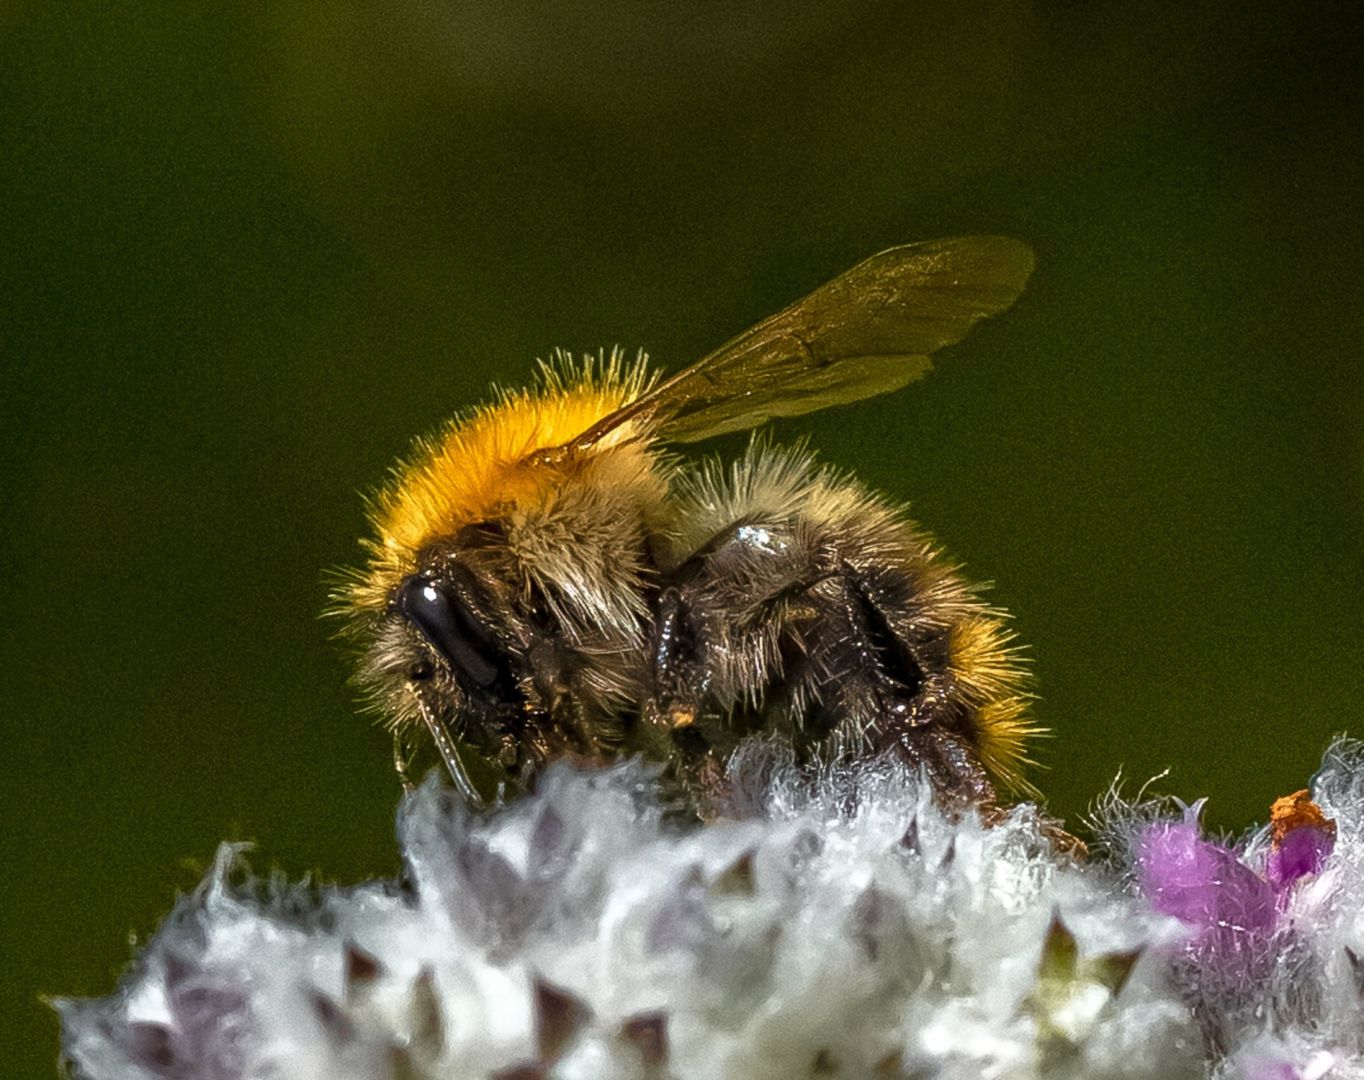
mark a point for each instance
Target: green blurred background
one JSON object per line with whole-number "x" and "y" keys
{"x": 246, "y": 253}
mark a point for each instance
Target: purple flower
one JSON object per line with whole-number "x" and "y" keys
{"x": 1205, "y": 885}
{"x": 1199, "y": 882}
{"x": 1303, "y": 839}
{"x": 1238, "y": 930}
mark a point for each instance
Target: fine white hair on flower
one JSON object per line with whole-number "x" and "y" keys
{"x": 839, "y": 925}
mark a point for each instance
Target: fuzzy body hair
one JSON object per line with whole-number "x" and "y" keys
{"x": 642, "y": 606}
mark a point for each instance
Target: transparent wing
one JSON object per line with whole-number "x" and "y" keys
{"x": 866, "y": 332}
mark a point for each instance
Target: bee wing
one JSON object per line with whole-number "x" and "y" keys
{"x": 866, "y": 332}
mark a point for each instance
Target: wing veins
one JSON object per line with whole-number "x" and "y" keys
{"x": 868, "y": 331}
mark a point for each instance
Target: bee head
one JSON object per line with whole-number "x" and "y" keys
{"x": 503, "y": 596}
{"x": 447, "y": 643}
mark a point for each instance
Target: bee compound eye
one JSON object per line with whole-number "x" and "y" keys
{"x": 452, "y": 629}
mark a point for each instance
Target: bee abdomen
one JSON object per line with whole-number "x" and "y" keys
{"x": 813, "y": 610}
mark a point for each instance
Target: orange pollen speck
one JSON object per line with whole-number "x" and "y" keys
{"x": 1297, "y": 811}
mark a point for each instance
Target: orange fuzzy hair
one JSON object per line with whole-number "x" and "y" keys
{"x": 476, "y": 467}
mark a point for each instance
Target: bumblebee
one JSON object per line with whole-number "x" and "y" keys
{"x": 549, "y": 577}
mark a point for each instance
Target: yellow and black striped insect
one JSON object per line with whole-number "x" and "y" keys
{"x": 550, "y": 578}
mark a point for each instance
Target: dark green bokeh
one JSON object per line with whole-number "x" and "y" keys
{"x": 248, "y": 254}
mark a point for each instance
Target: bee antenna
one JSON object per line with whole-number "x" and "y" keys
{"x": 449, "y": 754}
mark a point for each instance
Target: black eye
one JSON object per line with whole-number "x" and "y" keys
{"x": 453, "y": 631}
